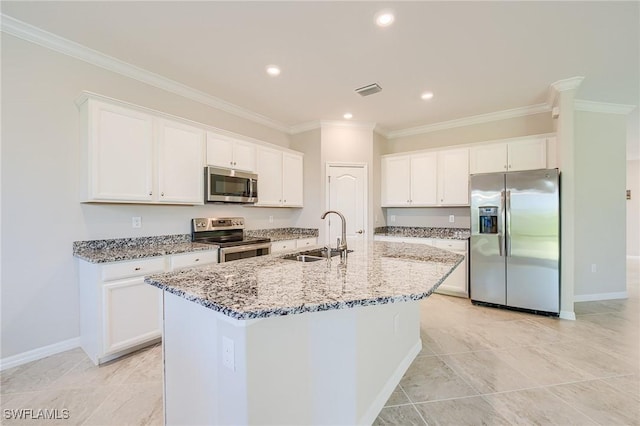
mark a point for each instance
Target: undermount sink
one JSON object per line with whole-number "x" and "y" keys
{"x": 313, "y": 255}
{"x": 303, "y": 258}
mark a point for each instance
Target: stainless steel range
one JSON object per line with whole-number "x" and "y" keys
{"x": 228, "y": 233}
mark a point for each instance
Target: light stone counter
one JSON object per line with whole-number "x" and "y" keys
{"x": 118, "y": 249}
{"x": 375, "y": 273}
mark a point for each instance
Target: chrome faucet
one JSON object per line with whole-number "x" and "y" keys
{"x": 342, "y": 242}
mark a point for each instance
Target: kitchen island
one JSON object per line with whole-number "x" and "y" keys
{"x": 275, "y": 341}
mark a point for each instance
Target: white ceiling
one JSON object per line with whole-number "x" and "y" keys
{"x": 477, "y": 57}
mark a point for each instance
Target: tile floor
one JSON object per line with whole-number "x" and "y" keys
{"x": 478, "y": 366}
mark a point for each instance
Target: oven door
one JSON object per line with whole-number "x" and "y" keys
{"x": 230, "y": 186}
{"x": 228, "y": 254}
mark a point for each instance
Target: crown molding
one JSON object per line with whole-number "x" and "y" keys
{"x": 604, "y": 107}
{"x": 62, "y": 45}
{"x": 352, "y": 124}
{"x": 561, "y": 86}
{"x": 304, "y": 127}
{"x": 468, "y": 121}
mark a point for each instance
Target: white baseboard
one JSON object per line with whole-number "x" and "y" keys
{"x": 38, "y": 353}
{"x": 568, "y": 315}
{"x": 600, "y": 296}
{"x": 374, "y": 409}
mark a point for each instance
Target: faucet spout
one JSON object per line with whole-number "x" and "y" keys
{"x": 342, "y": 246}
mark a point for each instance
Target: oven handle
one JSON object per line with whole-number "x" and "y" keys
{"x": 239, "y": 249}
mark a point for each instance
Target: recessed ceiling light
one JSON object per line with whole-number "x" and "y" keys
{"x": 427, "y": 95}
{"x": 273, "y": 70}
{"x": 348, "y": 116}
{"x": 384, "y": 18}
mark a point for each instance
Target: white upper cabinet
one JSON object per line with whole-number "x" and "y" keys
{"x": 230, "y": 153}
{"x": 525, "y": 154}
{"x": 269, "y": 168}
{"x": 280, "y": 178}
{"x": 396, "y": 181}
{"x": 117, "y": 157}
{"x": 292, "y": 177}
{"x": 129, "y": 156}
{"x": 424, "y": 173}
{"x": 434, "y": 178}
{"x": 180, "y": 163}
{"x": 453, "y": 177}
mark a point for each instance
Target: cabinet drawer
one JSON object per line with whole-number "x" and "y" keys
{"x": 134, "y": 268}
{"x": 452, "y": 245}
{"x": 193, "y": 259}
{"x": 277, "y": 246}
{"x": 306, "y": 242}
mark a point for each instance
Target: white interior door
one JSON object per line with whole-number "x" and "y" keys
{"x": 347, "y": 193}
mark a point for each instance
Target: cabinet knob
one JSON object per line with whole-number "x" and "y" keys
{"x": 162, "y": 194}
{"x": 509, "y": 165}
{"x": 138, "y": 268}
{"x": 197, "y": 260}
{"x": 285, "y": 201}
{"x": 505, "y": 166}
{"x": 150, "y": 193}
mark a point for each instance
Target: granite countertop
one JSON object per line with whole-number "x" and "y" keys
{"x": 114, "y": 250}
{"x": 375, "y": 273}
{"x": 424, "y": 232}
{"x": 282, "y": 234}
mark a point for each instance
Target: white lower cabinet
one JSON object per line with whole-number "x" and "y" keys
{"x": 457, "y": 283}
{"x": 284, "y": 245}
{"x": 132, "y": 314}
{"x": 119, "y": 312}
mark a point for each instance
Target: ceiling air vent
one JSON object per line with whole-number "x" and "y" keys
{"x": 369, "y": 90}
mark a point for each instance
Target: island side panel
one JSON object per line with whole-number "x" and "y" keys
{"x": 388, "y": 342}
{"x": 197, "y": 389}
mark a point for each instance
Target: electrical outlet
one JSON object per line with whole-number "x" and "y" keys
{"x": 452, "y": 218}
{"x": 228, "y": 354}
{"x": 136, "y": 222}
{"x": 393, "y": 218}
{"x": 270, "y": 219}
{"x": 594, "y": 268}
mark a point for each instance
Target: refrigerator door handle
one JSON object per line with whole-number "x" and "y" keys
{"x": 501, "y": 229}
{"x": 508, "y": 225}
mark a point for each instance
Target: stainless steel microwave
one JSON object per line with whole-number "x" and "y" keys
{"x": 230, "y": 186}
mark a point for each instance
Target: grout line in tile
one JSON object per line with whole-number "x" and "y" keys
{"x": 420, "y": 414}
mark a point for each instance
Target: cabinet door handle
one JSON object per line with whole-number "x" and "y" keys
{"x": 197, "y": 260}
{"x": 137, "y": 268}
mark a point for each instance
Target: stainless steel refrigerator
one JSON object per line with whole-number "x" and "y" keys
{"x": 515, "y": 240}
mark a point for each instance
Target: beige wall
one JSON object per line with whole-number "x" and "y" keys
{"x": 519, "y": 126}
{"x": 600, "y": 206}
{"x": 633, "y": 208}
{"x": 309, "y": 143}
{"x": 40, "y": 175}
{"x": 379, "y": 145}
